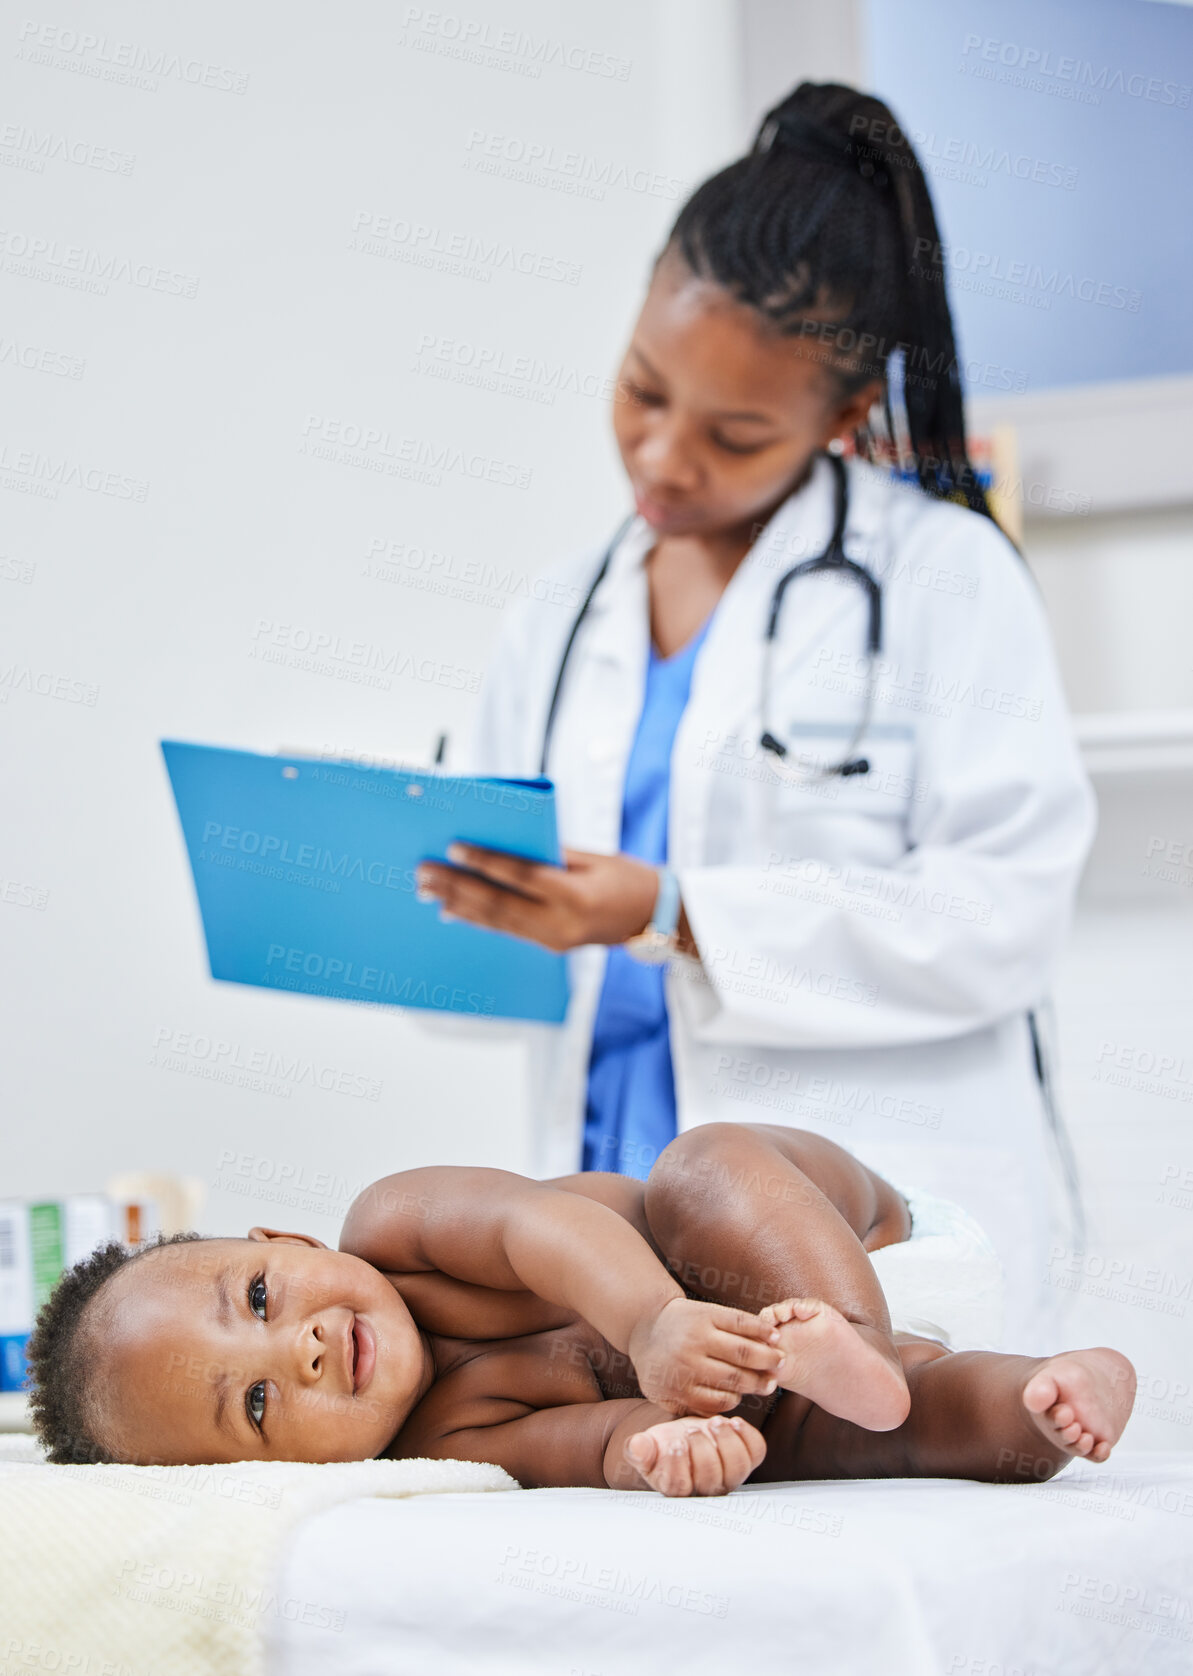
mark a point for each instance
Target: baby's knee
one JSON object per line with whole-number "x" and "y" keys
{"x": 697, "y": 1163}
{"x": 690, "y": 1177}
{"x": 704, "y": 1140}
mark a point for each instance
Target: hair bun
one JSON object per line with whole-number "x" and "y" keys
{"x": 785, "y": 129}
{"x": 783, "y": 232}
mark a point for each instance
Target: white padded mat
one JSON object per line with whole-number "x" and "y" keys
{"x": 1090, "y": 1574}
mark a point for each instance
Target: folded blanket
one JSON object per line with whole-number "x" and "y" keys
{"x": 144, "y": 1571}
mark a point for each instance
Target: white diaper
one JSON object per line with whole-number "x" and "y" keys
{"x": 947, "y": 1281}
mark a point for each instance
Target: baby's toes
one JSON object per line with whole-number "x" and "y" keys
{"x": 1040, "y": 1392}
{"x": 794, "y": 1309}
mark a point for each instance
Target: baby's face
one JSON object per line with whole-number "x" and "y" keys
{"x": 269, "y": 1348}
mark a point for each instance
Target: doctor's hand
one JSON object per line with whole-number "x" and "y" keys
{"x": 592, "y": 899}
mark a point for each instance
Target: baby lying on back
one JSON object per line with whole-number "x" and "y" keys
{"x": 476, "y": 1314}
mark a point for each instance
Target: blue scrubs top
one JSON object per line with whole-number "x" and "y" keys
{"x": 631, "y": 1087}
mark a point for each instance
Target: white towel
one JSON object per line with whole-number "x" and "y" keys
{"x": 947, "y": 1281}
{"x": 170, "y": 1569}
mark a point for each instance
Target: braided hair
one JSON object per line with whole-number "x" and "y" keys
{"x": 826, "y": 228}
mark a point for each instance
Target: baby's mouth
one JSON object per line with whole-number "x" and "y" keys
{"x": 364, "y": 1353}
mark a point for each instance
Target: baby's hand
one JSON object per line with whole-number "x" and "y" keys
{"x": 692, "y": 1457}
{"x": 697, "y": 1358}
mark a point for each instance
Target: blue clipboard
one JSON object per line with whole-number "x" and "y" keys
{"x": 304, "y": 871}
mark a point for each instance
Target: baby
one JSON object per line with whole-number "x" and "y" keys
{"x": 476, "y": 1314}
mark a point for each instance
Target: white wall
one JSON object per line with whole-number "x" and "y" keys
{"x": 148, "y": 612}
{"x": 1120, "y": 594}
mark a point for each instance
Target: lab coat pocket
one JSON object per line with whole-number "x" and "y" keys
{"x": 866, "y": 812}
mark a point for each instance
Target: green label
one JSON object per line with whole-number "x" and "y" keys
{"x": 46, "y": 1238}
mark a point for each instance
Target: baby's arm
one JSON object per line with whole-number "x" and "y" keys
{"x": 502, "y": 1231}
{"x": 626, "y": 1443}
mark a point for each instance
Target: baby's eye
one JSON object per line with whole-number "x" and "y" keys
{"x": 255, "y": 1403}
{"x": 257, "y": 1297}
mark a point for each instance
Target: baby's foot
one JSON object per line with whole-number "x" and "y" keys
{"x": 1082, "y": 1399}
{"x": 830, "y": 1361}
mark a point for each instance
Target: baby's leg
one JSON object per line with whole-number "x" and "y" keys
{"x": 974, "y": 1414}
{"x": 757, "y": 1216}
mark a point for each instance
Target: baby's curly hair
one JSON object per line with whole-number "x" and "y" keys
{"x": 62, "y": 1397}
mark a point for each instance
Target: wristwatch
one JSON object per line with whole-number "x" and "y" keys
{"x": 660, "y": 939}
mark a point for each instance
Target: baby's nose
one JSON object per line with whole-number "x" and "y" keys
{"x": 310, "y": 1353}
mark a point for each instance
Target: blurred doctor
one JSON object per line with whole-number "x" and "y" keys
{"x": 861, "y": 865}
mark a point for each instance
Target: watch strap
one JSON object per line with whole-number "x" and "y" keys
{"x": 657, "y": 943}
{"x": 665, "y": 918}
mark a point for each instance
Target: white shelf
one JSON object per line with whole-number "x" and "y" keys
{"x": 1097, "y": 448}
{"x": 1136, "y": 742}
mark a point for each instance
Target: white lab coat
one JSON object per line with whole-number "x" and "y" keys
{"x": 870, "y": 946}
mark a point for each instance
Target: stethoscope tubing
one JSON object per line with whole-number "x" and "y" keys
{"x": 832, "y": 558}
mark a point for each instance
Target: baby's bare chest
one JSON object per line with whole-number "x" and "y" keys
{"x": 565, "y": 1364}
{"x": 489, "y": 1381}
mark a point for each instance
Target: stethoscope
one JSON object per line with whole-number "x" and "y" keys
{"x": 832, "y": 559}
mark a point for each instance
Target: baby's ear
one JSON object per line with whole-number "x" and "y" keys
{"x": 287, "y": 1239}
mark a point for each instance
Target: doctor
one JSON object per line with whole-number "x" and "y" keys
{"x": 847, "y": 811}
